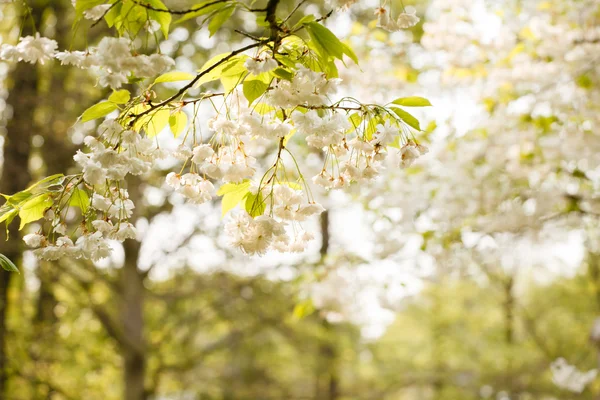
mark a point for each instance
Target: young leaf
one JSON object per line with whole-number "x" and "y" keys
{"x": 174, "y": 76}
{"x": 156, "y": 122}
{"x": 413, "y": 101}
{"x": 407, "y": 118}
{"x": 255, "y": 204}
{"x": 230, "y": 82}
{"x": 219, "y": 19}
{"x": 98, "y": 110}
{"x": 34, "y": 209}
{"x": 254, "y": 88}
{"x": 283, "y": 73}
{"x": 349, "y": 52}
{"x": 163, "y": 18}
{"x": 79, "y": 198}
{"x": 7, "y": 265}
{"x": 177, "y": 122}
{"x": 355, "y": 120}
{"x": 231, "y": 67}
{"x": 303, "y": 309}
{"x": 232, "y": 194}
{"x": 326, "y": 42}
{"x": 120, "y": 96}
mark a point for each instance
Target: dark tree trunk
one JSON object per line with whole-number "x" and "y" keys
{"x": 15, "y": 177}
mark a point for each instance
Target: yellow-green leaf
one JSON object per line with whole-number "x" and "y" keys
{"x": 177, "y": 122}
{"x": 407, "y": 118}
{"x": 413, "y": 101}
{"x": 34, "y": 209}
{"x": 174, "y": 76}
{"x": 232, "y": 194}
{"x": 254, "y": 204}
{"x": 7, "y": 265}
{"x": 219, "y": 19}
{"x": 254, "y": 88}
{"x": 120, "y": 96}
{"x": 79, "y": 198}
{"x": 98, "y": 110}
{"x": 303, "y": 309}
{"x": 153, "y": 122}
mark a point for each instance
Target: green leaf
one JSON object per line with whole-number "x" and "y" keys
{"x": 232, "y": 194}
{"x": 349, "y": 52}
{"x": 202, "y": 9}
{"x": 254, "y": 204}
{"x": 156, "y": 122}
{"x": 303, "y": 309}
{"x": 407, "y": 118}
{"x": 232, "y": 67}
{"x": 304, "y": 20}
{"x": 178, "y": 122}
{"x": 8, "y": 214}
{"x": 174, "y": 76}
{"x": 112, "y": 15}
{"x": 7, "y": 265}
{"x": 84, "y": 5}
{"x": 231, "y": 82}
{"x": 98, "y": 110}
{"x": 413, "y": 101}
{"x": 33, "y": 209}
{"x": 372, "y": 127}
{"x": 254, "y": 88}
{"x": 326, "y": 42}
{"x": 163, "y": 18}
{"x": 120, "y": 96}
{"x": 283, "y": 73}
{"x": 219, "y": 19}
{"x": 355, "y": 120}
{"x": 79, "y": 198}
{"x": 263, "y": 108}
{"x": 49, "y": 179}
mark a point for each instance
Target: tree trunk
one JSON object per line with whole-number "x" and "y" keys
{"x": 132, "y": 315}
{"x": 15, "y": 177}
{"x": 328, "y": 354}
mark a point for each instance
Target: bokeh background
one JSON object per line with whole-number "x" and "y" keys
{"x": 463, "y": 277}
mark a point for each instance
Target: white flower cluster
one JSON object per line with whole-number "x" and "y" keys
{"x": 191, "y": 186}
{"x": 405, "y": 20}
{"x": 116, "y": 153}
{"x": 112, "y": 60}
{"x": 31, "y": 49}
{"x": 270, "y": 231}
{"x": 119, "y": 152}
{"x": 307, "y": 87}
{"x": 568, "y": 377}
{"x": 358, "y": 159}
{"x": 257, "y": 66}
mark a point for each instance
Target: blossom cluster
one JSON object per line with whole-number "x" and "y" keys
{"x": 112, "y": 60}
{"x": 405, "y": 20}
{"x": 113, "y": 154}
{"x": 279, "y": 104}
{"x": 569, "y": 377}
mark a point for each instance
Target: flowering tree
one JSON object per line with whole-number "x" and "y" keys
{"x": 278, "y": 90}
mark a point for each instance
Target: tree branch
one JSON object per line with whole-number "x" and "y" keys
{"x": 180, "y": 12}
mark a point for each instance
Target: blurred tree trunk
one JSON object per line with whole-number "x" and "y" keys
{"x": 15, "y": 177}
{"x": 23, "y": 99}
{"x": 132, "y": 314}
{"x": 328, "y": 354}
